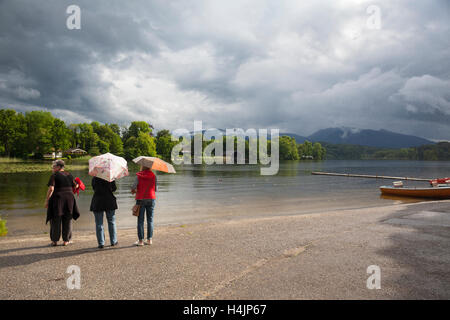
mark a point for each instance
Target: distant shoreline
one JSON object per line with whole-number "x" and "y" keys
{"x": 15, "y": 165}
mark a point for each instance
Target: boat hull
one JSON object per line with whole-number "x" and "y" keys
{"x": 432, "y": 193}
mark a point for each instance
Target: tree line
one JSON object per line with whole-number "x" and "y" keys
{"x": 291, "y": 150}
{"x": 36, "y": 133}
{"x": 437, "y": 152}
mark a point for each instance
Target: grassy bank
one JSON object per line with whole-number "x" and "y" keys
{"x": 14, "y": 165}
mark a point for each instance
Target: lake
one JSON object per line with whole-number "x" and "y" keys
{"x": 200, "y": 193}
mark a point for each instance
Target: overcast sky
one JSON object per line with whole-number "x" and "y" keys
{"x": 294, "y": 65}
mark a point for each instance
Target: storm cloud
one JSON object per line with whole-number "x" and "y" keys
{"x": 295, "y": 65}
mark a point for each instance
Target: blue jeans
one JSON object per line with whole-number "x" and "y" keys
{"x": 147, "y": 205}
{"x": 110, "y": 216}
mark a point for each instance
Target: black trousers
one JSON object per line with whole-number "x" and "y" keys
{"x": 58, "y": 224}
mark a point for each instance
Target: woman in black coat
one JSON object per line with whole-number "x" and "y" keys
{"x": 104, "y": 201}
{"x": 60, "y": 203}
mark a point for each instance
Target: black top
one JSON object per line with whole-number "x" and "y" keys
{"x": 61, "y": 179}
{"x": 103, "y": 199}
{"x": 62, "y": 202}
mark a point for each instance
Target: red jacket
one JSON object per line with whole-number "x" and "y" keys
{"x": 146, "y": 182}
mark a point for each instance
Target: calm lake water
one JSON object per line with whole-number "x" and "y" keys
{"x": 204, "y": 193}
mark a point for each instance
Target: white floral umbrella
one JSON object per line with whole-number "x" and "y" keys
{"x": 108, "y": 167}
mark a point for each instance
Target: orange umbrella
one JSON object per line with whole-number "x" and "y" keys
{"x": 154, "y": 164}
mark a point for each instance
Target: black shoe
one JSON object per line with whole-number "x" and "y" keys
{"x": 101, "y": 246}
{"x": 115, "y": 244}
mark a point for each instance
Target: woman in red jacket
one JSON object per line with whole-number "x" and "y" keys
{"x": 145, "y": 188}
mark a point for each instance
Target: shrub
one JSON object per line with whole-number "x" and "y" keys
{"x": 3, "y": 229}
{"x": 94, "y": 151}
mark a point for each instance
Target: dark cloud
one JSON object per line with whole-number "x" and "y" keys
{"x": 296, "y": 65}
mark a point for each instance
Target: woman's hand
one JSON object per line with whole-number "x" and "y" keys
{"x": 49, "y": 194}
{"x": 133, "y": 191}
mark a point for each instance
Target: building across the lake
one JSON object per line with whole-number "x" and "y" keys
{"x": 77, "y": 152}
{"x": 53, "y": 155}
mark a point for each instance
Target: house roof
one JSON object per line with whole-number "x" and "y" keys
{"x": 75, "y": 150}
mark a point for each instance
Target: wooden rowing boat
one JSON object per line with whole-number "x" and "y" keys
{"x": 433, "y": 192}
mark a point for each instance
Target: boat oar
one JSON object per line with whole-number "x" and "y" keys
{"x": 367, "y": 176}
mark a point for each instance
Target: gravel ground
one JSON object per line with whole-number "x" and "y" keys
{"x": 315, "y": 256}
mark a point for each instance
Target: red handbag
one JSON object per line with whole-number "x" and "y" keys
{"x": 81, "y": 186}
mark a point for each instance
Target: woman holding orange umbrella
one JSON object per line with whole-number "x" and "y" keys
{"x": 145, "y": 187}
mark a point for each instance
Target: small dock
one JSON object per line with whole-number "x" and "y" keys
{"x": 352, "y": 175}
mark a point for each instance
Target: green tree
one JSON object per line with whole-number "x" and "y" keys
{"x": 163, "y": 133}
{"x": 130, "y": 149}
{"x": 137, "y": 127}
{"x": 39, "y": 126}
{"x": 7, "y": 129}
{"x": 59, "y": 135}
{"x": 288, "y": 148}
{"x": 318, "y": 152}
{"x": 430, "y": 154}
{"x": 146, "y": 145}
{"x": 12, "y": 133}
{"x": 74, "y": 135}
{"x": 94, "y": 151}
{"x": 95, "y": 125}
{"x": 443, "y": 150}
{"x": 143, "y": 145}
{"x": 164, "y": 144}
{"x": 110, "y": 140}
{"x": 116, "y": 145}
{"x": 87, "y": 137}
{"x": 115, "y": 128}
{"x": 103, "y": 146}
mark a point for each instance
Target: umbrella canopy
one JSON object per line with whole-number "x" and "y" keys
{"x": 108, "y": 167}
{"x": 154, "y": 164}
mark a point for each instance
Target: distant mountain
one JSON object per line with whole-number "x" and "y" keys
{"x": 365, "y": 137}
{"x": 298, "y": 139}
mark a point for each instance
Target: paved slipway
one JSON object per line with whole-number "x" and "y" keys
{"x": 312, "y": 256}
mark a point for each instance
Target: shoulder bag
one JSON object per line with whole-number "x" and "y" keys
{"x": 137, "y": 207}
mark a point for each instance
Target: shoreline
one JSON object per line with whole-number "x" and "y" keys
{"x": 194, "y": 221}
{"x": 307, "y": 256}
{"x": 17, "y": 165}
